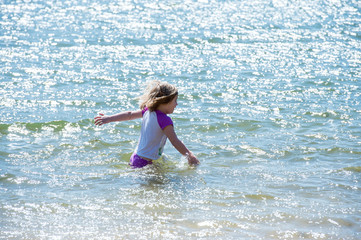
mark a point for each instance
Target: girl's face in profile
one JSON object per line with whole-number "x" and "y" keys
{"x": 169, "y": 107}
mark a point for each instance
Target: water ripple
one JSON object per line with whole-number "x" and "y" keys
{"x": 269, "y": 101}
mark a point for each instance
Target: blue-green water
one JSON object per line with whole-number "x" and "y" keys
{"x": 269, "y": 102}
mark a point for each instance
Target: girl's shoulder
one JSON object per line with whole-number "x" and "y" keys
{"x": 144, "y": 110}
{"x": 163, "y": 119}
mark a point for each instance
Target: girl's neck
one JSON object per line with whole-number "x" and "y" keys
{"x": 161, "y": 108}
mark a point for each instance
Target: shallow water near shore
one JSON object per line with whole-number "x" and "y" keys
{"x": 269, "y": 102}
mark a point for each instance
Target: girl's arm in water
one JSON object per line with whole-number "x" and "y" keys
{"x": 178, "y": 144}
{"x": 124, "y": 116}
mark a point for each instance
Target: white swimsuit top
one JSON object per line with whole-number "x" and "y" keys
{"x": 152, "y": 138}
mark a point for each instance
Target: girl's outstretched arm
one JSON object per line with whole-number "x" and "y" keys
{"x": 124, "y": 116}
{"x": 178, "y": 144}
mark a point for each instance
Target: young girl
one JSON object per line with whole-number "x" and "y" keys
{"x": 159, "y": 99}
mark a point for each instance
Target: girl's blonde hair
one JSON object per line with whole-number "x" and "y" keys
{"x": 157, "y": 93}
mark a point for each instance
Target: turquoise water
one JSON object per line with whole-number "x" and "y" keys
{"x": 269, "y": 103}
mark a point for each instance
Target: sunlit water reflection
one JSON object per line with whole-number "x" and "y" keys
{"x": 269, "y": 102}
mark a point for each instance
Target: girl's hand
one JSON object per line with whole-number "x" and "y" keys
{"x": 192, "y": 160}
{"x": 100, "y": 120}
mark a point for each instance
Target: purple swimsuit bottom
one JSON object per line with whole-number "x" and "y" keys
{"x": 138, "y": 162}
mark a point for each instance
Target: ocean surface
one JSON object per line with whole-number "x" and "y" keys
{"x": 269, "y": 102}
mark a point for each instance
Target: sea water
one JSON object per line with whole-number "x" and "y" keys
{"x": 269, "y": 101}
